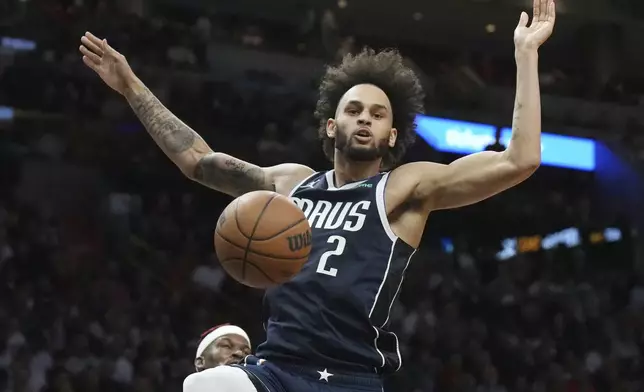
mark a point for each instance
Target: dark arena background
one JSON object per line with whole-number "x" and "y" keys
{"x": 107, "y": 267}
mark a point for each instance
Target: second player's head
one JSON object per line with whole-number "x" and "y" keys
{"x": 222, "y": 345}
{"x": 367, "y": 107}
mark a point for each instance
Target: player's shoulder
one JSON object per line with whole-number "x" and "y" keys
{"x": 208, "y": 379}
{"x": 404, "y": 181}
{"x": 204, "y": 380}
{"x": 196, "y": 381}
{"x": 412, "y": 167}
{"x": 287, "y": 176}
{"x": 411, "y": 173}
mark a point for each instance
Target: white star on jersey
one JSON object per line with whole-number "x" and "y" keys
{"x": 324, "y": 375}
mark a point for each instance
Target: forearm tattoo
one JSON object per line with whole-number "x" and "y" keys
{"x": 231, "y": 175}
{"x": 516, "y": 117}
{"x": 170, "y": 133}
{"x": 215, "y": 170}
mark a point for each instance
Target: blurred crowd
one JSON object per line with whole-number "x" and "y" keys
{"x": 175, "y": 51}
{"x": 546, "y": 322}
{"x": 174, "y": 37}
{"x": 106, "y": 253}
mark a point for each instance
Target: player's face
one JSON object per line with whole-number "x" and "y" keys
{"x": 226, "y": 350}
{"x": 363, "y": 125}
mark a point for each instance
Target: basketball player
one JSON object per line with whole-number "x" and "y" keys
{"x": 327, "y": 327}
{"x": 219, "y": 346}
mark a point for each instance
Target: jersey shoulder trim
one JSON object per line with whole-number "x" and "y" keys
{"x": 382, "y": 209}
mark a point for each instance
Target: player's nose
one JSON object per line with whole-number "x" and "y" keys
{"x": 364, "y": 119}
{"x": 238, "y": 355}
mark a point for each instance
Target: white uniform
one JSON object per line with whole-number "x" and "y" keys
{"x": 219, "y": 379}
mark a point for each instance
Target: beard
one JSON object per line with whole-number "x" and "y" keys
{"x": 353, "y": 151}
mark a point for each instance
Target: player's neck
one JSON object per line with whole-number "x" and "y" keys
{"x": 350, "y": 171}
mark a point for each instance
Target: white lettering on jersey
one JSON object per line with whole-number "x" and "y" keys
{"x": 359, "y": 222}
{"x": 323, "y": 214}
{"x": 319, "y": 214}
{"x": 305, "y": 205}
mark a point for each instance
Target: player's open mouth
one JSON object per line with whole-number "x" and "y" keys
{"x": 364, "y": 132}
{"x": 363, "y": 135}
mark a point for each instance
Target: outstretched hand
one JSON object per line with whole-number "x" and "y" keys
{"x": 109, "y": 64}
{"x": 543, "y": 21}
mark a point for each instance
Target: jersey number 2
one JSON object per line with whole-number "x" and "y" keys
{"x": 340, "y": 242}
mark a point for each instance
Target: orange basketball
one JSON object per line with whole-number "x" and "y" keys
{"x": 262, "y": 239}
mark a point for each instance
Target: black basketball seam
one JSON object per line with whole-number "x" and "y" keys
{"x": 250, "y": 251}
{"x": 237, "y": 220}
{"x": 292, "y": 225}
{"x": 250, "y": 239}
{"x": 254, "y": 265}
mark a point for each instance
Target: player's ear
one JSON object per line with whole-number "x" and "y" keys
{"x": 199, "y": 364}
{"x": 330, "y": 128}
{"x": 393, "y": 135}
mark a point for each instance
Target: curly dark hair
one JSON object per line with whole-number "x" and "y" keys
{"x": 386, "y": 70}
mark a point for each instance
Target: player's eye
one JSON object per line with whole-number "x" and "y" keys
{"x": 378, "y": 116}
{"x": 353, "y": 112}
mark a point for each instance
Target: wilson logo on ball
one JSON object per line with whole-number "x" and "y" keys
{"x": 299, "y": 241}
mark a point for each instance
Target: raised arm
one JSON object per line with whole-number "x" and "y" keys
{"x": 478, "y": 176}
{"x": 197, "y": 160}
{"x": 179, "y": 142}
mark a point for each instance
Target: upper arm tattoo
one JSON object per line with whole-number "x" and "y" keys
{"x": 231, "y": 175}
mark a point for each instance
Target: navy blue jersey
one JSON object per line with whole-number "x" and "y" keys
{"x": 334, "y": 313}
